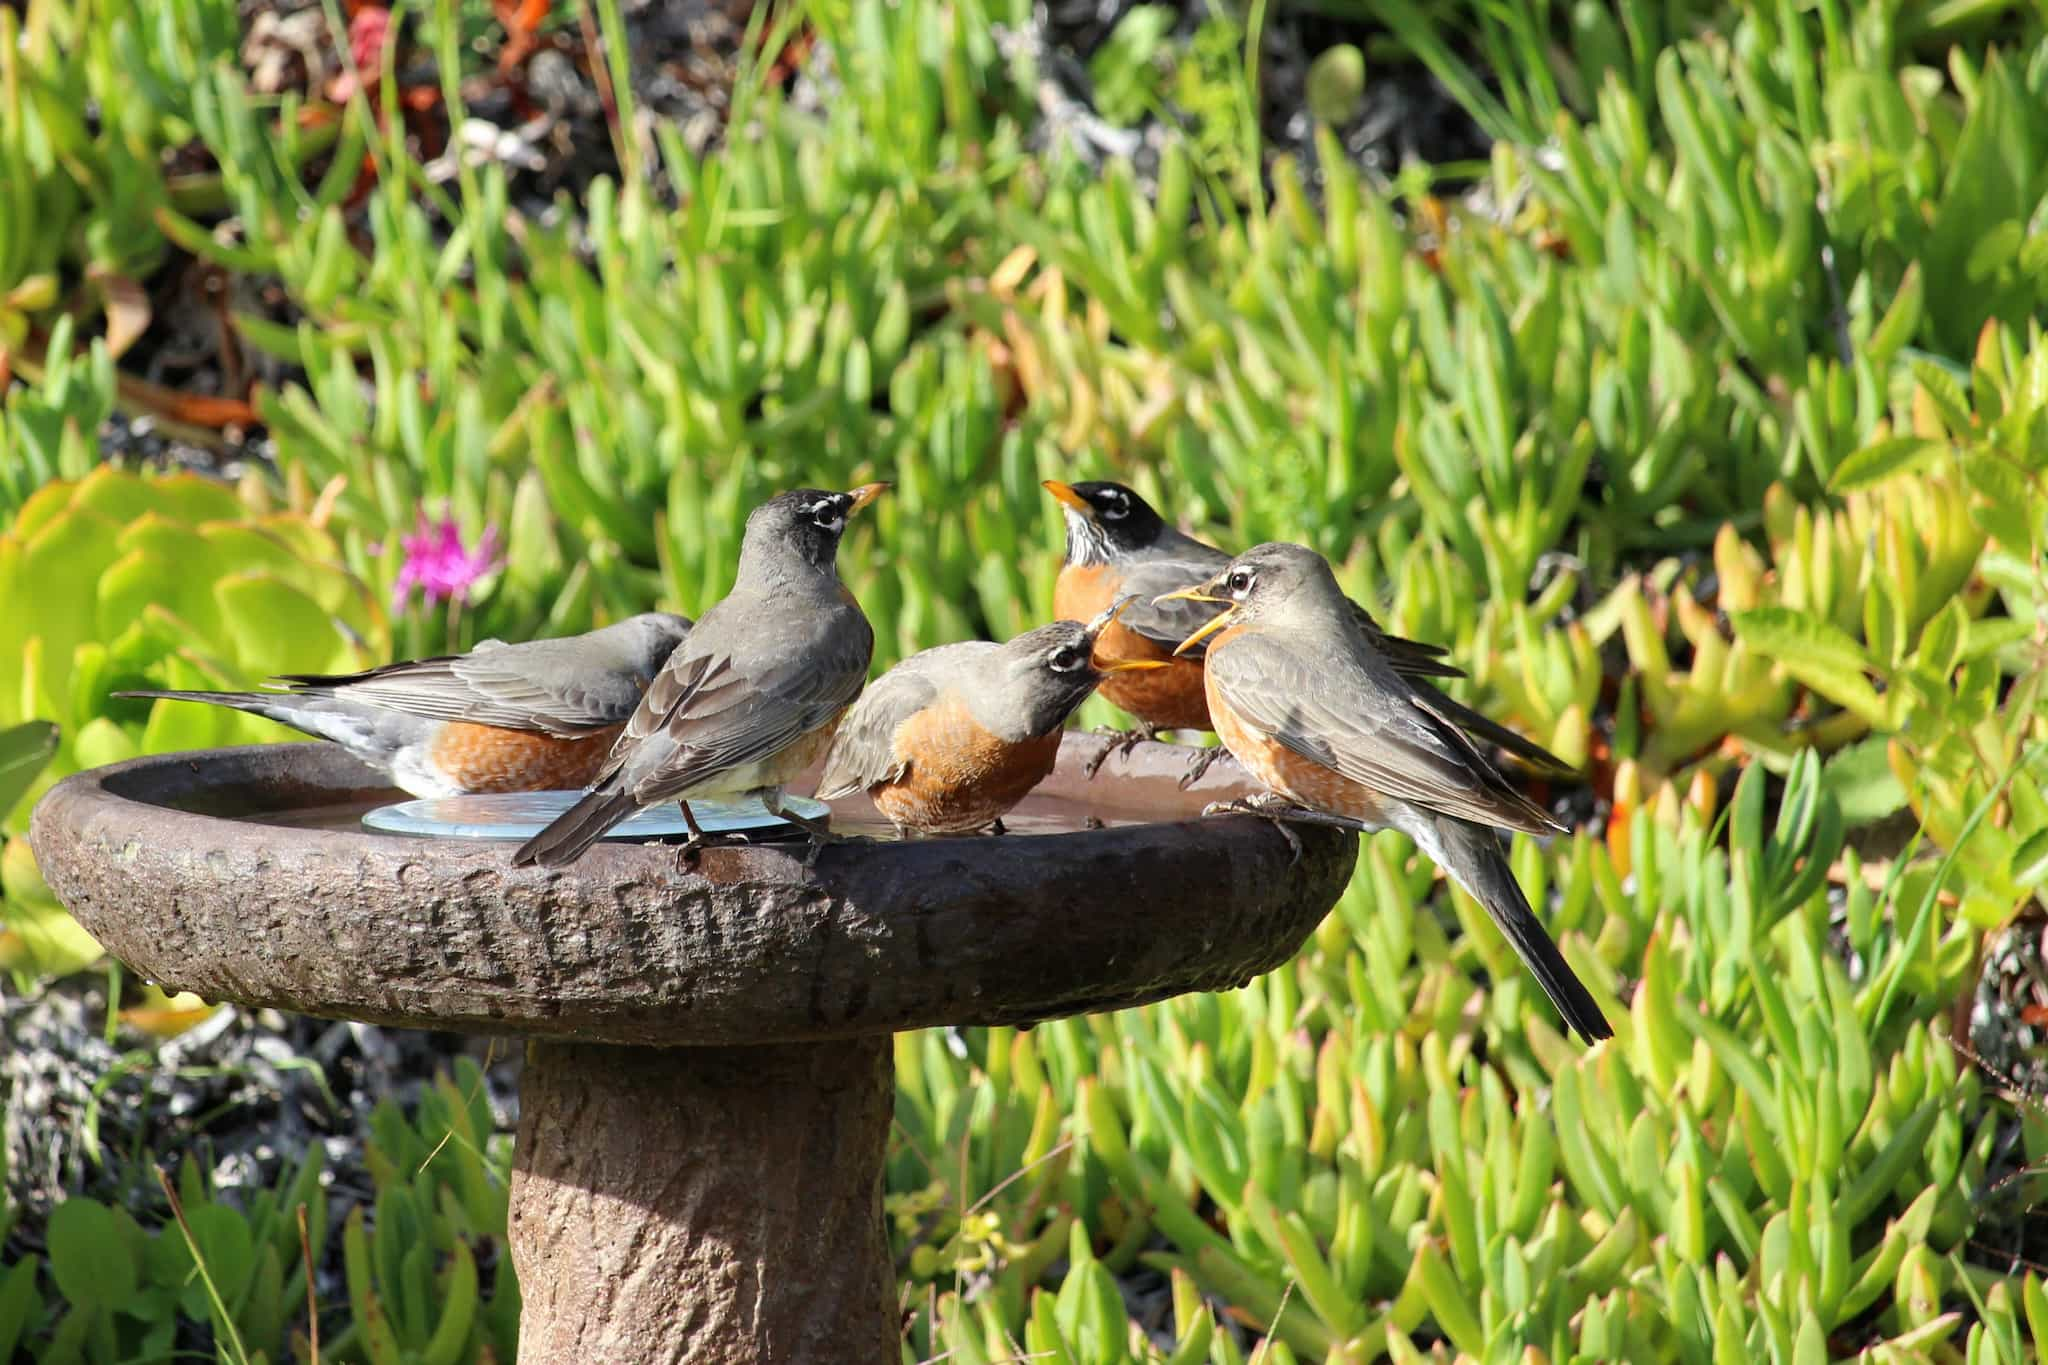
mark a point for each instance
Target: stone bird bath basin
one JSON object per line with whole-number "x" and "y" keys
{"x": 707, "y": 1093}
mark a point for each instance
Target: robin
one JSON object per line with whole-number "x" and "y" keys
{"x": 501, "y": 718}
{"x": 951, "y": 738}
{"x": 751, "y": 699}
{"x": 1308, "y": 702}
{"x": 1116, "y": 543}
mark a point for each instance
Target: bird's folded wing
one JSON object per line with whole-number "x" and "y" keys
{"x": 707, "y": 712}
{"x": 1372, "y": 730}
{"x": 1410, "y": 658}
{"x": 864, "y": 751}
{"x": 544, "y": 686}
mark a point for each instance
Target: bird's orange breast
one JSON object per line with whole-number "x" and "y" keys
{"x": 1300, "y": 779}
{"x": 490, "y": 758}
{"x": 960, "y": 776}
{"x": 1170, "y": 698}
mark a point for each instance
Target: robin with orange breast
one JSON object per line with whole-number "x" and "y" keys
{"x": 1308, "y": 702}
{"x": 751, "y": 699}
{"x": 951, "y": 738}
{"x": 1117, "y": 543}
{"x": 502, "y": 718}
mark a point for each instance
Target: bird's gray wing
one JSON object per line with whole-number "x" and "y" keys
{"x": 1361, "y": 720}
{"x": 715, "y": 707}
{"x": 864, "y": 751}
{"x": 1409, "y": 658}
{"x": 561, "y": 687}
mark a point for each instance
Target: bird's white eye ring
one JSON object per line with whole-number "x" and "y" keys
{"x": 1240, "y": 582}
{"x": 826, "y": 515}
{"x": 1067, "y": 660}
{"x": 1115, "y": 506}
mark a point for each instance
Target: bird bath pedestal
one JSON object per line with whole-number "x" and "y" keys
{"x": 707, "y": 1093}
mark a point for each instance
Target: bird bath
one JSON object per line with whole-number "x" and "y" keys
{"x": 707, "y": 1093}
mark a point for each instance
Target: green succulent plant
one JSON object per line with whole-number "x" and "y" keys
{"x": 120, "y": 580}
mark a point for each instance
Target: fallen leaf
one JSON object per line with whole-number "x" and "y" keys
{"x": 127, "y": 309}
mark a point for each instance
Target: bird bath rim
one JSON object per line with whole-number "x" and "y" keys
{"x": 628, "y": 946}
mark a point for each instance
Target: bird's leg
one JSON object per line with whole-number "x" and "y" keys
{"x": 818, "y": 831}
{"x": 1118, "y": 741}
{"x": 1200, "y": 764}
{"x": 996, "y": 826}
{"x": 1282, "y": 812}
{"x": 694, "y": 845}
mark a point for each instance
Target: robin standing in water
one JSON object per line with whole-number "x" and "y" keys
{"x": 751, "y": 699}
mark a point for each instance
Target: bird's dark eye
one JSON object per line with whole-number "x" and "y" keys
{"x": 826, "y": 515}
{"x": 1115, "y": 506}
{"x": 1240, "y": 582}
{"x": 1068, "y": 659}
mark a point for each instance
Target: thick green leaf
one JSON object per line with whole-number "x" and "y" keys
{"x": 24, "y": 749}
{"x": 1817, "y": 653}
{"x": 1861, "y": 780}
{"x": 89, "y": 1259}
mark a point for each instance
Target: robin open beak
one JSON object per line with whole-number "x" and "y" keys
{"x": 1195, "y": 594}
{"x": 1101, "y": 623}
{"x": 1222, "y": 619}
{"x": 865, "y": 494}
{"x": 1066, "y": 494}
{"x": 1106, "y": 615}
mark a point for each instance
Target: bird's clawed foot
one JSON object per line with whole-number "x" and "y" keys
{"x": 1117, "y": 742}
{"x": 996, "y": 826}
{"x": 1200, "y": 764}
{"x": 818, "y": 832}
{"x": 1282, "y": 812}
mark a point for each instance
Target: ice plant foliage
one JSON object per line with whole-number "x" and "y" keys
{"x": 437, "y": 564}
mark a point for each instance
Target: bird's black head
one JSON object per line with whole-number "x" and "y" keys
{"x": 1104, "y": 520}
{"x": 805, "y": 522}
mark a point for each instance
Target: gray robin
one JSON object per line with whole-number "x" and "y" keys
{"x": 1117, "y": 543}
{"x": 753, "y": 696}
{"x": 502, "y": 718}
{"x": 1308, "y": 702}
{"x": 951, "y": 738}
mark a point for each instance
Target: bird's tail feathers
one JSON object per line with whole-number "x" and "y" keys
{"x": 576, "y": 828}
{"x": 1472, "y": 855}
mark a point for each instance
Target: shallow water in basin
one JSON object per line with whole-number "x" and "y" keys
{"x": 1035, "y": 815}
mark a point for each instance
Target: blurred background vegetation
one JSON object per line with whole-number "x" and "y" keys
{"x": 1680, "y": 365}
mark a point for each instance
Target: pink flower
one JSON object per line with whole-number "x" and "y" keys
{"x": 436, "y": 563}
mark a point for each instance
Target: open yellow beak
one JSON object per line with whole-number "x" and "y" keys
{"x": 1222, "y": 619}
{"x": 1066, "y": 494}
{"x": 1106, "y": 615}
{"x": 1101, "y": 623}
{"x": 866, "y": 494}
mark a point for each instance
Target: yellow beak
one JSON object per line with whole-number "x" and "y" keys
{"x": 1066, "y": 494}
{"x": 1221, "y": 620}
{"x": 1189, "y": 594}
{"x": 1106, "y": 615}
{"x": 1101, "y": 623}
{"x": 866, "y": 494}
